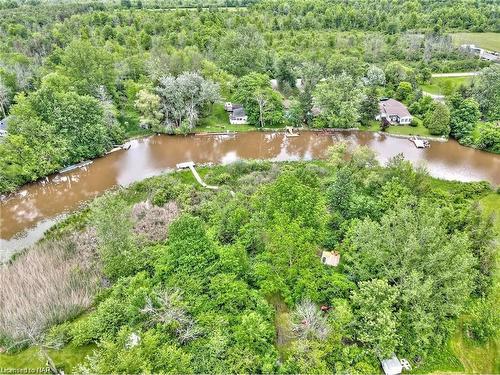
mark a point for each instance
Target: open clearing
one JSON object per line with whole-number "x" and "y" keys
{"x": 489, "y": 41}
{"x": 445, "y": 85}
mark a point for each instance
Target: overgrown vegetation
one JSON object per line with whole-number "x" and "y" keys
{"x": 212, "y": 281}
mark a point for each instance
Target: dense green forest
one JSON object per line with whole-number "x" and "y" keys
{"x": 78, "y": 78}
{"x": 168, "y": 277}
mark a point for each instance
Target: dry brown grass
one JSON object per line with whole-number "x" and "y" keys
{"x": 48, "y": 284}
{"x": 151, "y": 222}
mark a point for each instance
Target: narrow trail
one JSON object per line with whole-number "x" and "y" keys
{"x": 458, "y": 74}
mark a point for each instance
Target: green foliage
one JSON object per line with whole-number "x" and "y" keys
{"x": 464, "y": 115}
{"x": 369, "y": 108}
{"x": 262, "y": 104}
{"x": 225, "y": 290}
{"x": 113, "y": 222}
{"x": 423, "y": 309}
{"x": 375, "y": 323}
{"x": 481, "y": 321}
{"x": 404, "y": 90}
{"x": 53, "y": 128}
{"x": 486, "y": 91}
{"x": 438, "y": 120}
{"x": 487, "y": 136}
{"x": 87, "y": 67}
{"x": 338, "y": 99}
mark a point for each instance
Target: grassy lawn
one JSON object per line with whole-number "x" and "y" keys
{"x": 476, "y": 359}
{"x": 218, "y": 121}
{"x": 445, "y": 85}
{"x": 400, "y": 129}
{"x": 65, "y": 359}
{"x": 489, "y": 41}
{"x": 442, "y": 361}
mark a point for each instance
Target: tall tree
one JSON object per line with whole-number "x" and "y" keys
{"x": 437, "y": 120}
{"x": 184, "y": 97}
{"x": 338, "y": 99}
{"x": 369, "y": 107}
{"x": 262, "y": 104}
{"x": 375, "y": 323}
{"x": 486, "y": 90}
{"x": 464, "y": 115}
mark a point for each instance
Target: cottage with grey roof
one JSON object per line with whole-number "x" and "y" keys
{"x": 237, "y": 114}
{"x": 394, "y": 112}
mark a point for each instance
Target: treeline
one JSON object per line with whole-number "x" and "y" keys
{"x": 208, "y": 282}
{"x": 388, "y": 16}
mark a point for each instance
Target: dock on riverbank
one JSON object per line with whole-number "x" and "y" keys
{"x": 190, "y": 165}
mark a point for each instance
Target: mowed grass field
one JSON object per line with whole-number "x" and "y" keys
{"x": 490, "y": 41}
{"x": 445, "y": 85}
{"x": 419, "y": 130}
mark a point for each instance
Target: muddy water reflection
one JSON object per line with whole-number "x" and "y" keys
{"x": 36, "y": 206}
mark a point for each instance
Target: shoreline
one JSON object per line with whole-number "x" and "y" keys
{"x": 6, "y": 195}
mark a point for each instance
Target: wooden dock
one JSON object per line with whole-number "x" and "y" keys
{"x": 190, "y": 165}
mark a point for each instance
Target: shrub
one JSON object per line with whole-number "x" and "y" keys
{"x": 482, "y": 321}
{"x": 151, "y": 222}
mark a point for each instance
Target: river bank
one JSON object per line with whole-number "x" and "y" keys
{"x": 29, "y": 212}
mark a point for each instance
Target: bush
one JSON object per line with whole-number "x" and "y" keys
{"x": 151, "y": 222}
{"x": 218, "y": 178}
{"x": 482, "y": 322}
{"x": 242, "y": 167}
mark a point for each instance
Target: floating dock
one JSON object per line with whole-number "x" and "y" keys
{"x": 420, "y": 143}
{"x": 75, "y": 166}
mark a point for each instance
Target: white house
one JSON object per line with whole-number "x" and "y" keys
{"x": 393, "y": 111}
{"x": 238, "y": 116}
{"x": 237, "y": 113}
{"x": 330, "y": 258}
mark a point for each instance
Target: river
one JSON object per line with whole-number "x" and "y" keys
{"x": 26, "y": 215}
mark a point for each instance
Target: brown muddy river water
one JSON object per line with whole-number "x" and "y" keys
{"x": 25, "y": 215}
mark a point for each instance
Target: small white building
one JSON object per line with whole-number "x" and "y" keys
{"x": 330, "y": 258}
{"x": 394, "y": 111}
{"x": 237, "y": 113}
{"x": 392, "y": 366}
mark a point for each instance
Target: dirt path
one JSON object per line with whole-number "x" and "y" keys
{"x": 460, "y": 74}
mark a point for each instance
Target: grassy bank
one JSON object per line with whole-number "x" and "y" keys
{"x": 489, "y": 41}
{"x": 419, "y": 130}
{"x": 66, "y": 359}
{"x": 218, "y": 121}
